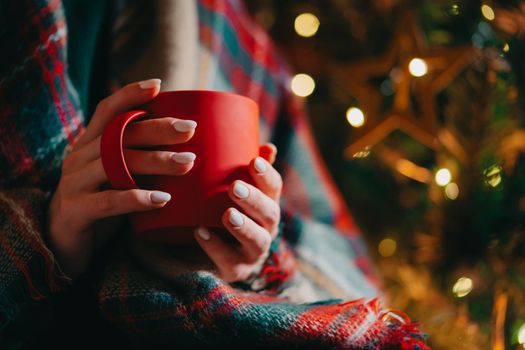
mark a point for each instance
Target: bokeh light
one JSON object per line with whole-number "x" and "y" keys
{"x": 355, "y": 117}
{"x": 454, "y": 9}
{"x": 443, "y": 177}
{"x": 487, "y": 12}
{"x": 306, "y": 24}
{"x": 302, "y": 85}
{"x": 452, "y": 191}
{"x": 417, "y": 67}
{"x": 493, "y": 175}
{"x": 387, "y": 247}
{"x": 462, "y": 287}
{"x": 521, "y": 335}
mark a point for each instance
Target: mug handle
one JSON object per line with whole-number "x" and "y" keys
{"x": 112, "y": 151}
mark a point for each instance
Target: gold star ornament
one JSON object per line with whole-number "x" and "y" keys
{"x": 416, "y": 75}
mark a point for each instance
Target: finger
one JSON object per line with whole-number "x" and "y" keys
{"x": 86, "y": 153}
{"x": 268, "y": 151}
{"x": 256, "y": 204}
{"x": 266, "y": 178}
{"x": 159, "y": 162}
{"x": 114, "y": 202}
{"x": 81, "y": 156}
{"x": 92, "y": 176}
{"x": 159, "y": 131}
{"x": 223, "y": 255}
{"x": 130, "y": 96}
{"x": 255, "y": 240}
{"x": 89, "y": 178}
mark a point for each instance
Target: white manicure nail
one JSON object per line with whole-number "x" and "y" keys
{"x": 236, "y": 218}
{"x": 203, "y": 233}
{"x": 149, "y": 84}
{"x": 185, "y": 125}
{"x": 240, "y": 190}
{"x": 260, "y": 165}
{"x": 158, "y": 197}
{"x": 184, "y": 157}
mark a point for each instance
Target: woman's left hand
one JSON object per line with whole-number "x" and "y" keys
{"x": 254, "y": 228}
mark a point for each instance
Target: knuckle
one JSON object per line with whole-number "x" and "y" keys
{"x": 103, "y": 202}
{"x": 277, "y": 184}
{"x": 263, "y": 243}
{"x": 137, "y": 196}
{"x": 273, "y": 215}
{"x": 62, "y": 212}
{"x": 158, "y": 158}
{"x": 159, "y": 126}
{"x": 67, "y": 181}
{"x": 103, "y": 105}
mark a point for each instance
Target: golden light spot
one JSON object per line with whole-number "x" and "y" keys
{"x": 443, "y": 177}
{"x": 462, "y": 287}
{"x": 452, "y": 191}
{"x": 306, "y": 24}
{"x": 302, "y": 85}
{"x": 417, "y": 67}
{"x": 355, "y": 117}
{"x": 387, "y": 247}
{"x": 487, "y": 12}
{"x": 506, "y": 47}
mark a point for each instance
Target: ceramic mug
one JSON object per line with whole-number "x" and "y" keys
{"x": 225, "y": 141}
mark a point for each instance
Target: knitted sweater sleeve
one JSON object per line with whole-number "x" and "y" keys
{"x": 28, "y": 271}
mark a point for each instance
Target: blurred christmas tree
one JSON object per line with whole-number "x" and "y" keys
{"x": 418, "y": 107}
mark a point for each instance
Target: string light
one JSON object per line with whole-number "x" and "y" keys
{"x": 417, "y": 67}
{"x": 487, "y": 12}
{"x": 302, "y": 85}
{"x": 355, "y": 117}
{"x": 443, "y": 177}
{"x": 493, "y": 175}
{"x": 387, "y": 247}
{"x": 452, "y": 191}
{"x": 462, "y": 287}
{"x": 306, "y": 24}
{"x": 506, "y": 47}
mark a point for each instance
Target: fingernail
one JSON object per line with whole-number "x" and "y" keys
{"x": 204, "y": 233}
{"x": 185, "y": 125}
{"x": 158, "y": 197}
{"x": 240, "y": 190}
{"x": 149, "y": 84}
{"x": 236, "y": 218}
{"x": 260, "y": 165}
{"x": 184, "y": 157}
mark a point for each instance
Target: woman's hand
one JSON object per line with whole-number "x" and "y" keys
{"x": 79, "y": 201}
{"x": 254, "y": 227}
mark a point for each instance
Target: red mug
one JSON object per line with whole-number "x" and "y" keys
{"x": 225, "y": 141}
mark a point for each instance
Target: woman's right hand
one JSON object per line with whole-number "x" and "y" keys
{"x": 79, "y": 200}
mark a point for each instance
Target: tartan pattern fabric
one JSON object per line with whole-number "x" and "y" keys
{"x": 39, "y": 112}
{"x": 40, "y": 116}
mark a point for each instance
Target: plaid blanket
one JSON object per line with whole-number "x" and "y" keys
{"x": 318, "y": 252}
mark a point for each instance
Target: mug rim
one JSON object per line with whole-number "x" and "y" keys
{"x": 206, "y": 92}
